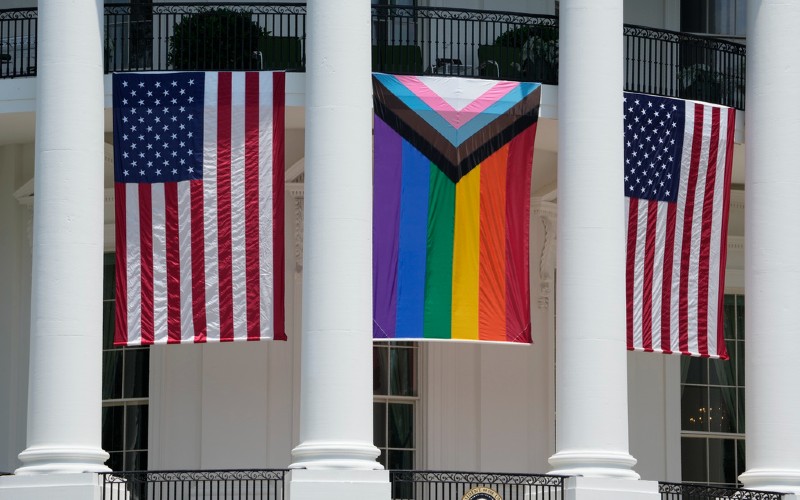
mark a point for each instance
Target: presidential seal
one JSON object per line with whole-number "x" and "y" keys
{"x": 481, "y": 493}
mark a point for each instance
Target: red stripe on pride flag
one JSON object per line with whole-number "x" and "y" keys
{"x": 517, "y": 230}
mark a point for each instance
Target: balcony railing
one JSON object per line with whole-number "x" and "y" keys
{"x": 688, "y": 491}
{"x": 405, "y": 40}
{"x": 251, "y": 484}
{"x": 439, "y": 485}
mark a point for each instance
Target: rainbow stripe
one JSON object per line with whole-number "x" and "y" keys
{"x": 450, "y": 256}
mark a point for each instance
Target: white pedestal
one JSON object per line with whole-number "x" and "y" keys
{"x": 592, "y": 488}
{"x": 84, "y": 486}
{"x": 305, "y": 484}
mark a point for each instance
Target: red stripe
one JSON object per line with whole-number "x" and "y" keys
{"x": 224, "y": 207}
{"x": 666, "y": 281}
{"x": 705, "y": 239}
{"x": 146, "y": 245}
{"x": 686, "y": 243}
{"x": 252, "y": 223}
{"x": 121, "y": 267}
{"x": 518, "y": 210}
{"x": 198, "y": 261}
{"x": 173, "y": 263}
{"x": 647, "y": 290}
{"x": 630, "y": 268}
{"x": 278, "y": 93}
{"x": 722, "y": 350}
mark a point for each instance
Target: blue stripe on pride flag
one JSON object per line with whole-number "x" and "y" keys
{"x": 413, "y": 243}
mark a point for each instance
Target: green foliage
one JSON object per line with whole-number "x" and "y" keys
{"x": 215, "y": 39}
{"x": 518, "y": 36}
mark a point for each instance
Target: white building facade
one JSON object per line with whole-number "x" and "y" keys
{"x": 567, "y": 404}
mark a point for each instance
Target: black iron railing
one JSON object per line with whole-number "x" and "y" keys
{"x": 405, "y": 40}
{"x": 688, "y": 491}
{"x": 18, "y": 42}
{"x": 210, "y": 484}
{"x": 681, "y": 65}
{"x": 443, "y": 485}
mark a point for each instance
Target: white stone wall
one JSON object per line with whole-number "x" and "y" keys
{"x": 16, "y": 167}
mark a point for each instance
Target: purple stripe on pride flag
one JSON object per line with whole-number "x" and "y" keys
{"x": 385, "y": 228}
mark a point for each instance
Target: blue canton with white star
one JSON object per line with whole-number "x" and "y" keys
{"x": 158, "y": 127}
{"x": 653, "y": 146}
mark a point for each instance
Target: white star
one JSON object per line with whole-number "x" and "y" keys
{"x": 141, "y": 172}
{"x": 124, "y": 83}
{"x": 125, "y": 173}
{"x": 191, "y": 82}
{"x": 158, "y": 171}
{"x": 174, "y": 171}
{"x": 158, "y": 84}
{"x": 141, "y": 85}
{"x": 174, "y": 83}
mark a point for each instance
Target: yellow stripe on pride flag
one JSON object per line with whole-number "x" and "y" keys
{"x": 466, "y": 252}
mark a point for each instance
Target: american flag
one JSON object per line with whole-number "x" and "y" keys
{"x": 678, "y": 158}
{"x": 198, "y": 168}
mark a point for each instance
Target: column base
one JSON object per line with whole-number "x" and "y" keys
{"x": 332, "y": 455}
{"x": 594, "y": 488}
{"x": 85, "y": 486}
{"x": 779, "y": 480}
{"x": 62, "y": 459}
{"x": 316, "y": 484}
{"x": 593, "y": 464}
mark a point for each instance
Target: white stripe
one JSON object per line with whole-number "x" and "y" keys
{"x": 185, "y": 246}
{"x": 134, "y": 264}
{"x": 686, "y": 159}
{"x": 638, "y": 283}
{"x": 238, "y": 246}
{"x": 716, "y": 237}
{"x": 210, "y": 206}
{"x": 265, "y": 250}
{"x": 159, "y": 264}
{"x": 658, "y": 272}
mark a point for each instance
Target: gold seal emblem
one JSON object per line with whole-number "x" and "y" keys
{"x": 481, "y": 493}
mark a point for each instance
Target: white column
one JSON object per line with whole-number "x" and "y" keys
{"x": 591, "y": 362}
{"x": 772, "y": 267}
{"x": 64, "y": 391}
{"x": 336, "y": 372}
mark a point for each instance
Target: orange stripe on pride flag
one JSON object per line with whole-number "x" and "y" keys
{"x": 492, "y": 289}
{"x": 466, "y": 252}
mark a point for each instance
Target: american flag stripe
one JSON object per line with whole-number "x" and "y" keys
{"x": 237, "y": 242}
{"x": 675, "y": 257}
{"x": 173, "y": 257}
{"x": 209, "y": 203}
{"x": 146, "y": 290}
{"x": 195, "y": 256}
{"x": 186, "y": 289}
{"x": 198, "y": 252}
{"x": 121, "y": 259}
{"x": 158, "y": 218}
{"x": 252, "y": 184}
{"x": 223, "y": 153}
{"x": 275, "y": 225}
